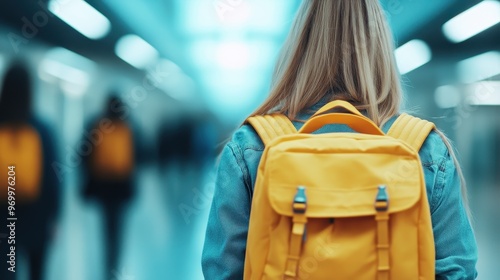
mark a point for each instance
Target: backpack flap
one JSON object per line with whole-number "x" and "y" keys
{"x": 335, "y": 202}
{"x": 341, "y": 176}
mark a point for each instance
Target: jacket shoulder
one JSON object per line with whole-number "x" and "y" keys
{"x": 246, "y": 138}
{"x": 433, "y": 150}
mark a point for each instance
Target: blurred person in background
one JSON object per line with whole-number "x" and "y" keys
{"x": 204, "y": 140}
{"x": 175, "y": 142}
{"x": 188, "y": 141}
{"x": 28, "y": 144}
{"x": 186, "y": 149}
{"x": 176, "y": 157}
{"x": 109, "y": 169}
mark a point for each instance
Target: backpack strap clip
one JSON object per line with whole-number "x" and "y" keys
{"x": 299, "y": 220}
{"x": 300, "y": 201}
{"x": 382, "y": 199}
{"x": 382, "y": 219}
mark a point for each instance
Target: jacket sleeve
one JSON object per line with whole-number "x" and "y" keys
{"x": 225, "y": 241}
{"x": 456, "y": 252}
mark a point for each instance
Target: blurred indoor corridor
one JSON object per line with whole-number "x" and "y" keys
{"x": 177, "y": 78}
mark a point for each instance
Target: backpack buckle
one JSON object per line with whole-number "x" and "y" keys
{"x": 382, "y": 199}
{"x": 300, "y": 201}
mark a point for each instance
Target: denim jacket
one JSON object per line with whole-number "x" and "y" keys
{"x": 224, "y": 250}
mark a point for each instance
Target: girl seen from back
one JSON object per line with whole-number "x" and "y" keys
{"x": 336, "y": 50}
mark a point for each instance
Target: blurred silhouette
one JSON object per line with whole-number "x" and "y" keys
{"x": 27, "y": 144}
{"x": 175, "y": 142}
{"x": 109, "y": 171}
{"x": 188, "y": 140}
{"x": 204, "y": 141}
{"x": 186, "y": 149}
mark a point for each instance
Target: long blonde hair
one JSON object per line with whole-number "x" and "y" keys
{"x": 342, "y": 47}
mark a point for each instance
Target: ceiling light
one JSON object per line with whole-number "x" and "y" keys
{"x": 447, "y": 97}
{"x": 82, "y": 17}
{"x": 473, "y": 21}
{"x": 136, "y": 52}
{"x": 412, "y": 55}
{"x": 486, "y": 93}
{"x": 479, "y": 67}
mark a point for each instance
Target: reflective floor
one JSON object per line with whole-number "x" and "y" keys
{"x": 485, "y": 204}
{"x": 163, "y": 234}
{"x": 165, "y": 230}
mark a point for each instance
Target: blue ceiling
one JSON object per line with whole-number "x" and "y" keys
{"x": 228, "y": 47}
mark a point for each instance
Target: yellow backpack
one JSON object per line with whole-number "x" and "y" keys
{"x": 20, "y": 163}
{"x": 113, "y": 158}
{"x": 340, "y": 205}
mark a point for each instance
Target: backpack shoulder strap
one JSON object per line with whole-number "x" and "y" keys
{"x": 271, "y": 126}
{"x": 411, "y": 129}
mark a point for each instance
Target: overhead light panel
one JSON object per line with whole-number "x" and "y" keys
{"x": 412, "y": 55}
{"x": 70, "y": 70}
{"x": 71, "y": 58}
{"x": 65, "y": 72}
{"x": 447, "y": 96}
{"x": 168, "y": 67}
{"x": 233, "y": 55}
{"x": 479, "y": 67}
{"x": 486, "y": 93}
{"x": 473, "y": 21}
{"x": 136, "y": 52}
{"x": 82, "y": 17}
{"x": 237, "y": 15}
{"x": 168, "y": 77}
